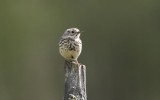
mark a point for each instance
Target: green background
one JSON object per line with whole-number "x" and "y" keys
{"x": 121, "y": 48}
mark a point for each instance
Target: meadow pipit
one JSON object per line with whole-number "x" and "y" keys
{"x": 70, "y": 44}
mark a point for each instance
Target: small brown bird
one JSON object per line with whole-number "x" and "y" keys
{"x": 70, "y": 44}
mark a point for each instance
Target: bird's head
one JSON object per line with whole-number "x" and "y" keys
{"x": 72, "y": 33}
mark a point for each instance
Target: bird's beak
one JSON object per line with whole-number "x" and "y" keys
{"x": 80, "y": 32}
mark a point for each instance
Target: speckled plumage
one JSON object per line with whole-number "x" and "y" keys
{"x": 70, "y": 44}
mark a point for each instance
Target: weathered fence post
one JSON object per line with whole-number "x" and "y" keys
{"x": 75, "y": 81}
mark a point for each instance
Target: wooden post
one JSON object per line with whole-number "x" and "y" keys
{"x": 75, "y": 81}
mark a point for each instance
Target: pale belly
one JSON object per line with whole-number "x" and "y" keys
{"x": 70, "y": 49}
{"x": 69, "y": 54}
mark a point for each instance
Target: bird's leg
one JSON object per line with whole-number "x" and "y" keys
{"x": 75, "y": 61}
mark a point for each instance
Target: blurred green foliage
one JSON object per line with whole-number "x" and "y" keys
{"x": 121, "y": 48}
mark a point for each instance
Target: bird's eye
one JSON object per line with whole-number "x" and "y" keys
{"x": 72, "y": 31}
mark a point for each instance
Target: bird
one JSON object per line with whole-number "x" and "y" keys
{"x": 70, "y": 44}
